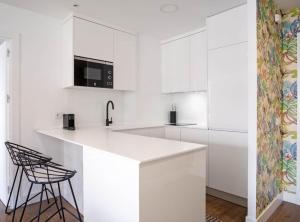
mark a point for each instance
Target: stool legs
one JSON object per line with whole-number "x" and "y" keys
{"x": 61, "y": 204}
{"x": 55, "y": 200}
{"x": 11, "y": 191}
{"x": 47, "y": 195}
{"x": 41, "y": 200}
{"x": 79, "y": 217}
{"x": 16, "y": 202}
{"x": 27, "y": 199}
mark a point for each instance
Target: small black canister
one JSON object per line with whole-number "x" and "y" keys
{"x": 173, "y": 115}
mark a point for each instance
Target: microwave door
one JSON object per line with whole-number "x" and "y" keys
{"x": 93, "y": 74}
{"x": 80, "y": 70}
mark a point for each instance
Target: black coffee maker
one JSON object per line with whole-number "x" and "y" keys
{"x": 69, "y": 121}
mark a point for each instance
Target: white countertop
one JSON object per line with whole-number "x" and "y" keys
{"x": 138, "y": 148}
{"x": 151, "y": 125}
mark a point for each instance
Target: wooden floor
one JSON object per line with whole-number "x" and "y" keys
{"x": 223, "y": 210}
{"x": 286, "y": 212}
{"x": 32, "y": 210}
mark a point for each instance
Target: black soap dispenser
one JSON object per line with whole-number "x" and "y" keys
{"x": 173, "y": 115}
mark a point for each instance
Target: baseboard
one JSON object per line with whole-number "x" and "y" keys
{"x": 250, "y": 219}
{"x": 266, "y": 214}
{"x": 291, "y": 198}
{"x": 226, "y": 196}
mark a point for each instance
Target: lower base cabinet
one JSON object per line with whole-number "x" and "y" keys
{"x": 194, "y": 135}
{"x": 228, "y": 159}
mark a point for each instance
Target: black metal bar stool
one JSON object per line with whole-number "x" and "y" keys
{"x": 47, "y": 174}
{"x": 36, "y": 158}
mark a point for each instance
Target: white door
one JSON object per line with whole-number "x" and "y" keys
{"x": 3, "y": 121}
{"x": 228, "y": 88}
{"x": 228, "y": 159}
{"x": 125, "y": 62}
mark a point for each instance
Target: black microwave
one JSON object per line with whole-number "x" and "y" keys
{"x": 93, "y": 73}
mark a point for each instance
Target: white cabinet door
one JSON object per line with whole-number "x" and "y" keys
{"x": 92, "y": 40}
{"x": 125, "y": 65}
{"x": 228, "y": 162}
{"x": 227, "y": 28}
{"x": 198, "y": 62}
{"x": 228, "y": 93}
{"x": 167, "y": 67}
{"x": 175, "y": 66}
{"x": 172, "y": 132}
{"x": 196, "y": 136}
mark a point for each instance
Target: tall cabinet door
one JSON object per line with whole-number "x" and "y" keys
{"x": 92, "y": 40}
{"x": 228, "y": 160}
{"x": 228, "y": 94}
{"x": 175, "y": 66}
{"x": 125, "y": 66}
{"x": 198, "y": 62}
{"x": 227, "y": 28}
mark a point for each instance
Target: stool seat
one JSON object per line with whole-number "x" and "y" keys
{"x": 48, "y": 173}
{"x": 36, "y": 157}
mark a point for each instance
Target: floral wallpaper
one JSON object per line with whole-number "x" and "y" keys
{"x": 269, "y": 83}
{"x": 290, "y": 28}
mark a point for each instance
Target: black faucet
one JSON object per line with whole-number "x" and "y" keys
{"x": 107, "y": 120}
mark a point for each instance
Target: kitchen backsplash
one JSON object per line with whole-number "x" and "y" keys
{"x": 190, "y": 107}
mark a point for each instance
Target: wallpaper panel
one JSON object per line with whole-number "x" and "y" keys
{"x": 269, "y": 83}
{"x": 290, "y": 28}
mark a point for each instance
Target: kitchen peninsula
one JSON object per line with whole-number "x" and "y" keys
{"x": 132, "y": 178}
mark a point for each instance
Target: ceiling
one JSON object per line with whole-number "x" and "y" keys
{"x": 137, "y": 15}
{"x": 288, "y": 4}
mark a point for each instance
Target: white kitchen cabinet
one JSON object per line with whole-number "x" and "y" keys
{"x": 172, "y": 133}
{"x": 194, "y": 135}
{"x": 228, "y": 162}
{"x": 125, "y": 58}
{"x": 184, "y": 63}
{"x": 92, "y": 40}
{"x": 175, "y": 66}
{"x": 198, "y": 62}
{"x": 85, "y": 38}
{"x": 227, "y": 28}
{"x": 228, "y": 88}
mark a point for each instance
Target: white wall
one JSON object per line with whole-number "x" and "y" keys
{"x": 3, "y": 168}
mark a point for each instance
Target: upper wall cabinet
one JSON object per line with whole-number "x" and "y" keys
{"x": 175, "y": 66}
{"x": 125, "y": 67}
{"x": 85, "y": 38}
{"x": 93, "y": 41}
{"x": 184, "y": 63}
{"x": 198, "y": 62}
{"x": 227, "y": 28}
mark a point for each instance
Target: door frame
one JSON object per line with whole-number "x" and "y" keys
{"x": 13, "y": 108}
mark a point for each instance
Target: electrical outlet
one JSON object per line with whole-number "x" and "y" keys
{"x": 58, "y": 115}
